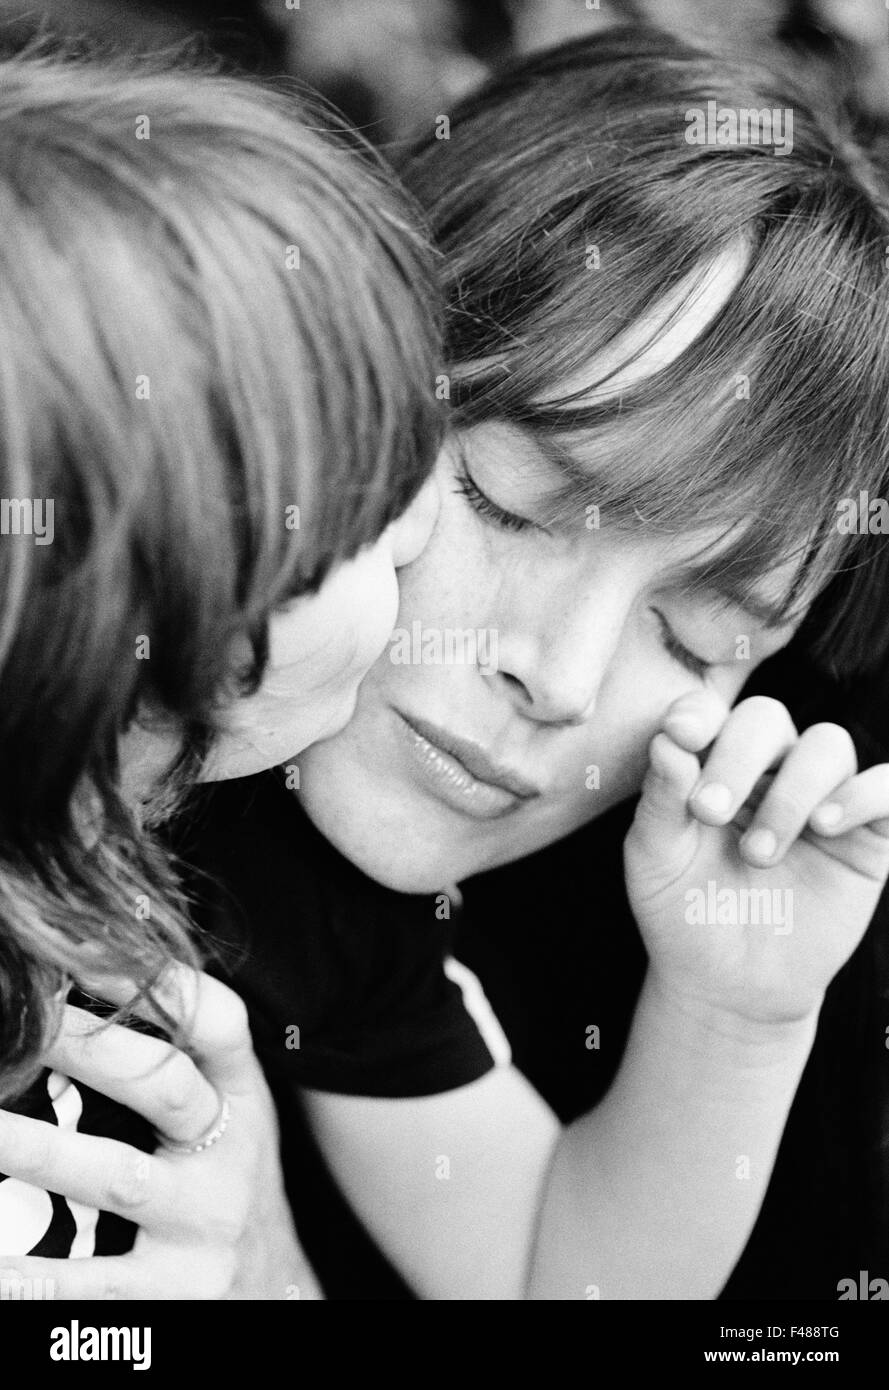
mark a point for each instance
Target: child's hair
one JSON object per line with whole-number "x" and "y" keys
{"x": 568, "y": 200}
{"x": 219, "y": 332}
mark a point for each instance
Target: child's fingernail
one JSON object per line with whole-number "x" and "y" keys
{"x": 828, "y": 815}
{"x": 761, "y": 844}
{"x": 714, "y": 797}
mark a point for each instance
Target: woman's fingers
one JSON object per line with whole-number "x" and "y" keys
{"x": 757, "y": 735}
{"x": 213, "y": 1020}
{"x": 218, "y": 1032}
{"x": 146, "y": 1074}
{"x": 103, "y": 1277}
{"x": 99, "y": 1173}
{"x": 823, "y": 758}
{"x": 862, "y": 800}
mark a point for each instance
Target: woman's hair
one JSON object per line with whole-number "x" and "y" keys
{"x": 219, "y": 333}
{"x": 568, "y": 200}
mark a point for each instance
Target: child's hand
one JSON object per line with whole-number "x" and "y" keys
{"x": 743, "y": 906}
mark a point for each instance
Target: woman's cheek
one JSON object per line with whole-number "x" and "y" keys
{"x": 455, "y": 582}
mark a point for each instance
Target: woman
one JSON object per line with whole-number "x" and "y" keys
{"x": 668, "y": 365}
{"x": 634, "y": 320}
{"x": 219, "y": 342}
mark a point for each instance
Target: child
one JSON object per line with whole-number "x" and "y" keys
{"x": 219, "y": 332}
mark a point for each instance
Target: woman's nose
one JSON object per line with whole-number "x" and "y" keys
{"x": 550, "y": 701}
{"x": 410, "y": 533}
{"x": 556, "y": 677}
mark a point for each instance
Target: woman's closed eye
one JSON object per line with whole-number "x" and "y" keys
{"x": 486, "y": 507}
{"x": 511, "y": 521}
{"x": 679, "y": 652}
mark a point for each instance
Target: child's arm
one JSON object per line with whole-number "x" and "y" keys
{"x": 654, "y": 1193}
{"x": 744, "y": 936}
{"x": 479, "y": 1194}
{"x": 642, "y": 1198}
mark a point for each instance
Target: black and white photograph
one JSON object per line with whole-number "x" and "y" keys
{"x": 444, "y": 668}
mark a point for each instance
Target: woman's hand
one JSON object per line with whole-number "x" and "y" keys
{"x": 213, "y": 1224}
{"x": 751, "y": 895}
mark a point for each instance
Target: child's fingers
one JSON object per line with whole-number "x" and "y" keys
{"x": 757, "y": 736}
{"x": 863, "y": 800}
{"x": 823, "y": 758}
{"x": 745, "y": 813}
{"x": 694, "y": 720}
{"x": 662, "y": 812}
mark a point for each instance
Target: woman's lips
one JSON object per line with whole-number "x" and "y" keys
{"x": 461, "y": 773}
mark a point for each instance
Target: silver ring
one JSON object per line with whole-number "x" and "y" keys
{"x": 212, "y": 1136}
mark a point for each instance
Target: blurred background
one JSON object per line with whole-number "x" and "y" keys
{"x": 392, "y": 65}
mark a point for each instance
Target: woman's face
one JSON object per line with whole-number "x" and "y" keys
{"x": 449, "y": 768}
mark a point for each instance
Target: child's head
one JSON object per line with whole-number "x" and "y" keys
{"x": 218, "y": 346}
{"x": 669, "y": 365}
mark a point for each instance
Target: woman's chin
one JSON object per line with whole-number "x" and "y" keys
{"x": 404, "y": 861}
{"x": 405, "y": 878}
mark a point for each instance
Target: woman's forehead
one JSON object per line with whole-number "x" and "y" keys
{"x": 696, "y": 558}
{"x": 661, "y": 335}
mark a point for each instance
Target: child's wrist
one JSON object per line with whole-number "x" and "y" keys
{"x": 746, "y": 1039}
